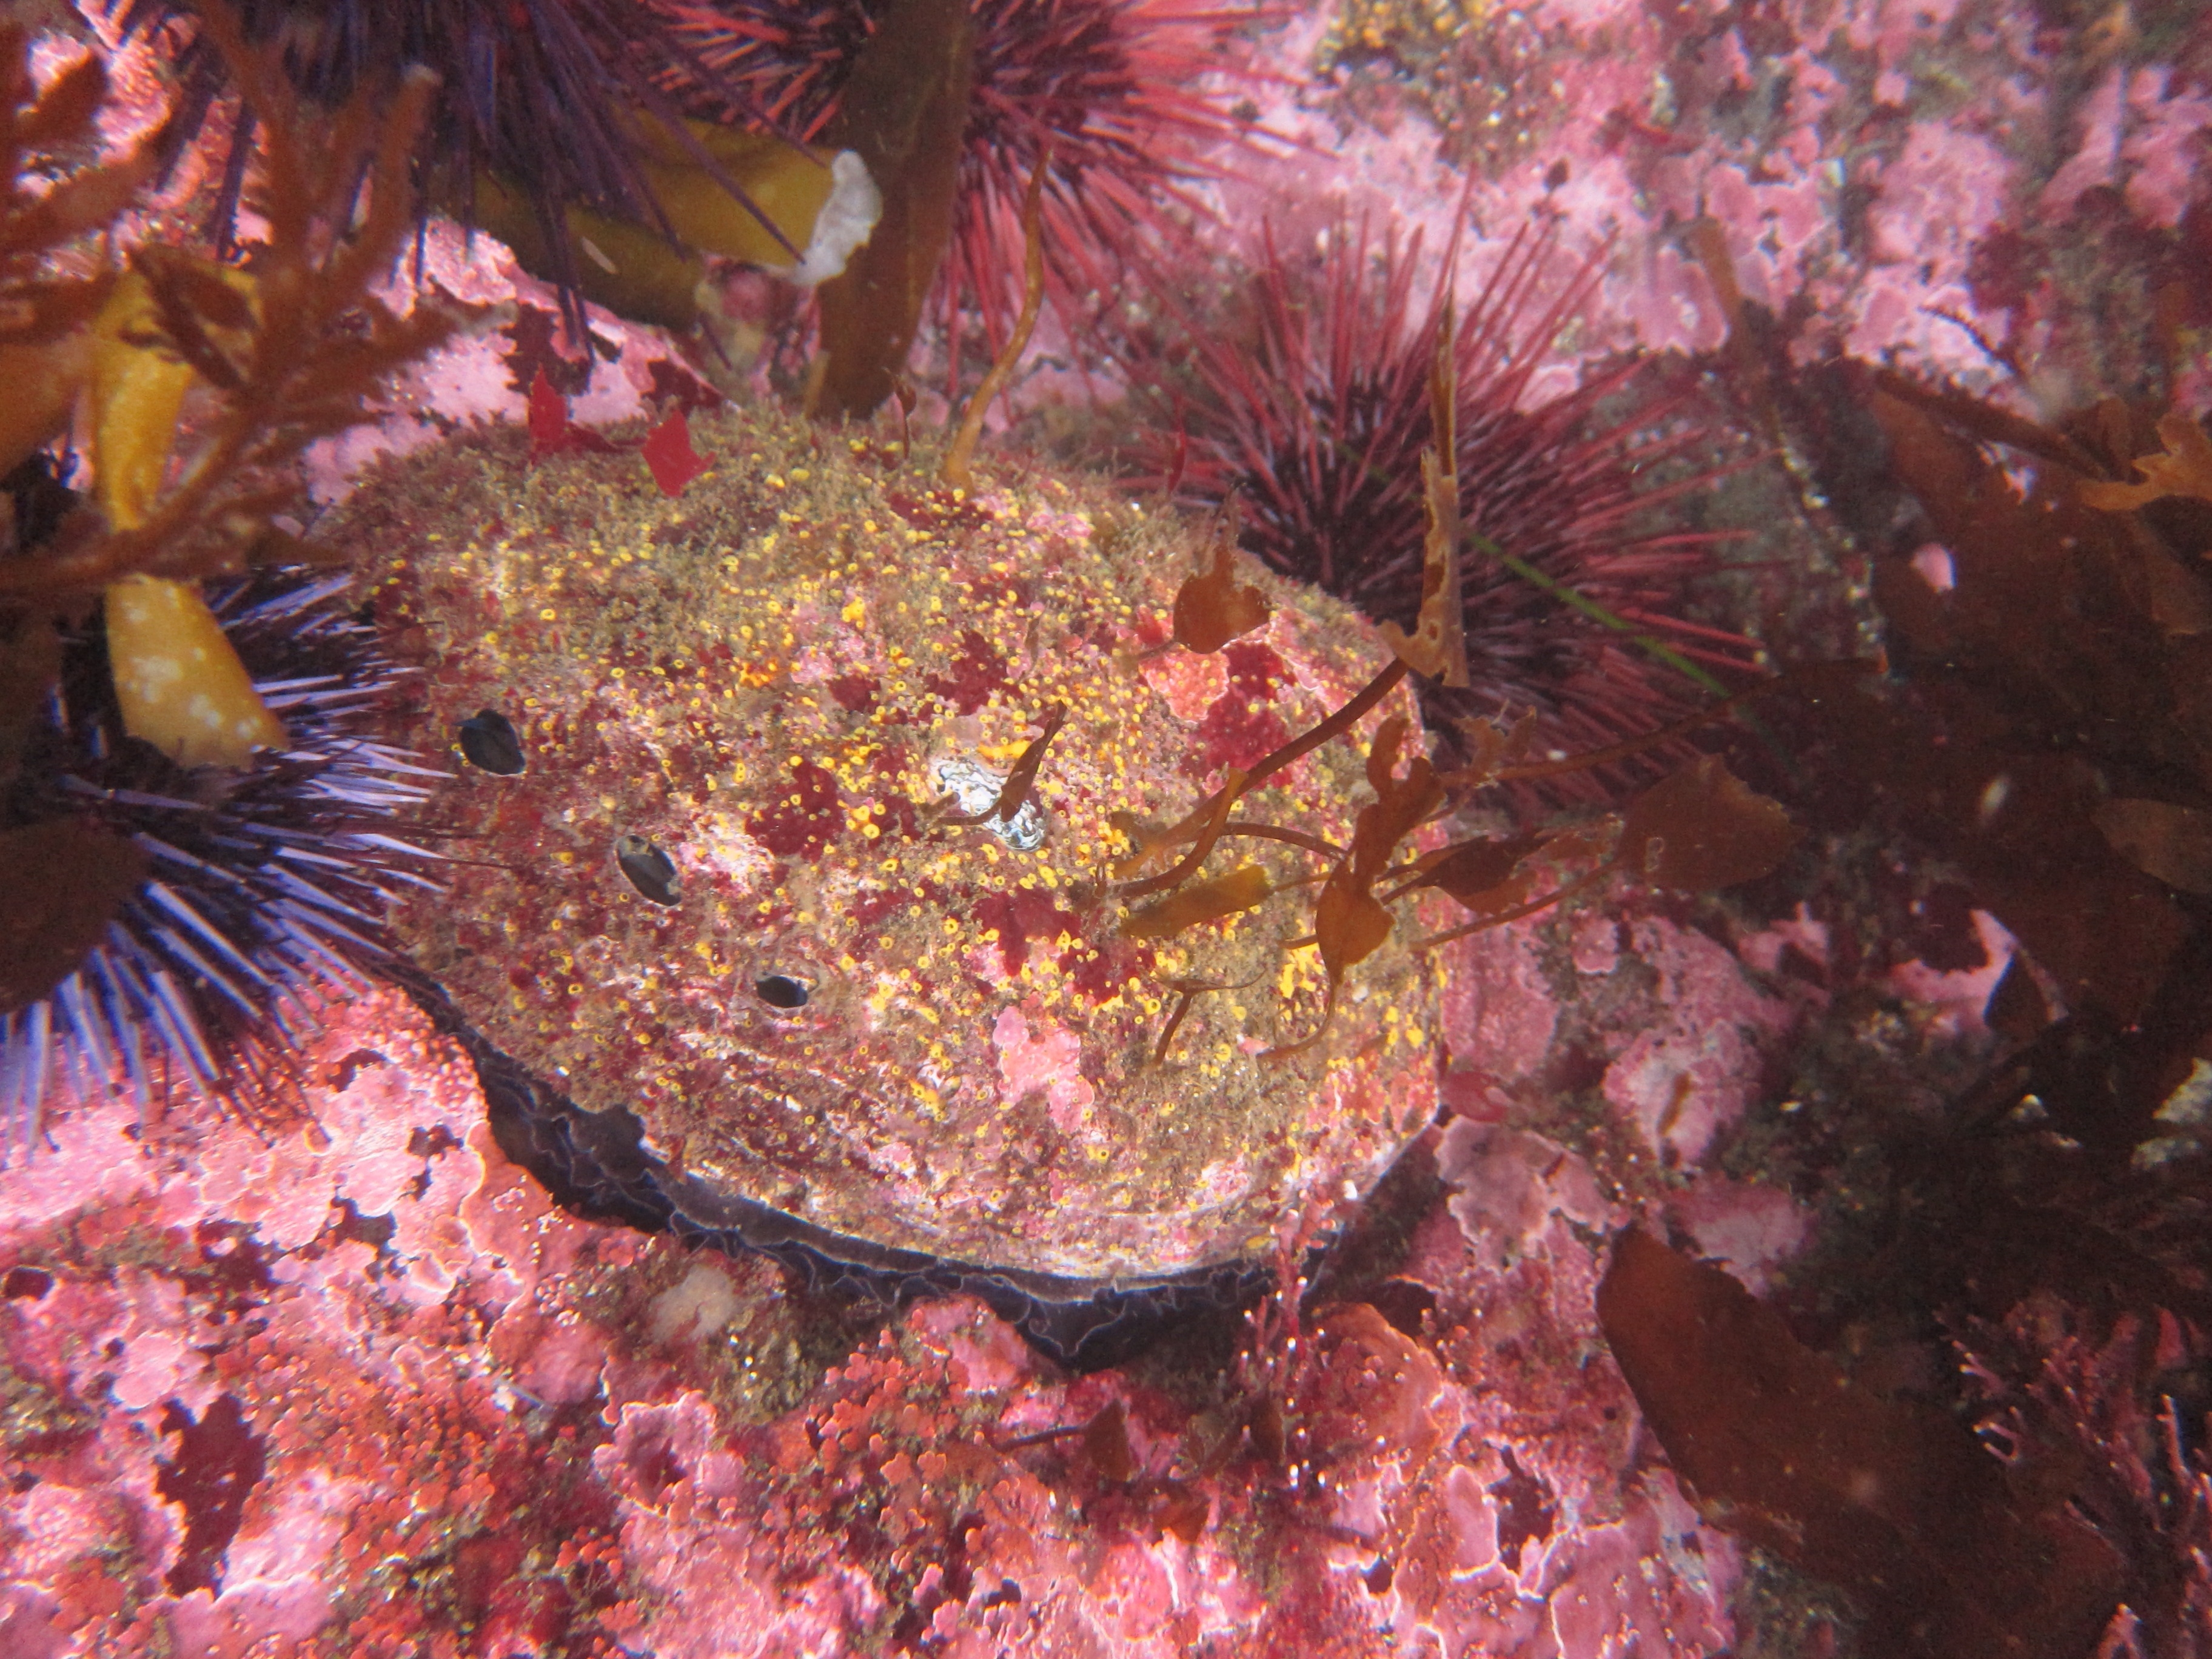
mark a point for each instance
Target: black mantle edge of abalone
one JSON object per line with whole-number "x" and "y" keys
{"x": 595, "y": 1165}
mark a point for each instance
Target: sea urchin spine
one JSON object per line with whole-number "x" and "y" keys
{"x": 1109, "y": 94}
{"x": 1312, "y": 410}
{"x": 555, "y": 100}
{"x": 259, "y": 890}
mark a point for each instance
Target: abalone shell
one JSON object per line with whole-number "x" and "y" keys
{"x": 735, "y": 887}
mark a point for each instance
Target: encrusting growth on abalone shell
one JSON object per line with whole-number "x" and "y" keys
{"x": 765, "y": 680}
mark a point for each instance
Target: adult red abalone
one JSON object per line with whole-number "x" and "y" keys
{"x": 747, "y": 883}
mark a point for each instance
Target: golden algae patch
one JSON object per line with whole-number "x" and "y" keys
{"x": 846, "y": 990}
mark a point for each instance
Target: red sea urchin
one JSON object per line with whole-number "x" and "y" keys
{"x": 1112, "y": 88}
{"x": 1312, "y": 408}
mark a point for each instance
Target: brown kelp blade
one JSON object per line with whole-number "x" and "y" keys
{"x": 1701, "y": 827}
{"x": 1436, "y": 648}
{"x": 904, "y": 112}
{"x": 1887, "y": 1496}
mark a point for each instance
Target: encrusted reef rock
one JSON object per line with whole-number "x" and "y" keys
{"x": 729, "y": 767}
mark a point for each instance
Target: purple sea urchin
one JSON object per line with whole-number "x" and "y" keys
{"x": 242, "y": 897}
{"x": 544, "y": 94}
{"x": 1312, "y": 408}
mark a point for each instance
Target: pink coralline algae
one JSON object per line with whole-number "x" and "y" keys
{"x": 2142, "y": 130}
{"x": 357, "y": 1387}
{"x": 1393, "y": 1487}
{"x": 350, "y": 1383}
{"x": 1677, "y": 1031}
{"x": 250, "y": 1394}
{"x": 1897, "y": 180}
{"x": 1461, "y": 1470}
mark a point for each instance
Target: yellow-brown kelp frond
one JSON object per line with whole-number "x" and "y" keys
{"x": 273, "y": 354}
{"x": 46, "y": 307}
{"x": 1213, "y": 607}
{"x": 904, "y": 112}
{"x": 2183, "y": 468}
{"x": 752, "y": 197}
{"x": 957, "y": 469}
{"x": 1436, "y": 648}
{"x": 287, "y": 350}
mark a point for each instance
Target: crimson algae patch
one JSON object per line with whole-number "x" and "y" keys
{"x": 834, "y": 992}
